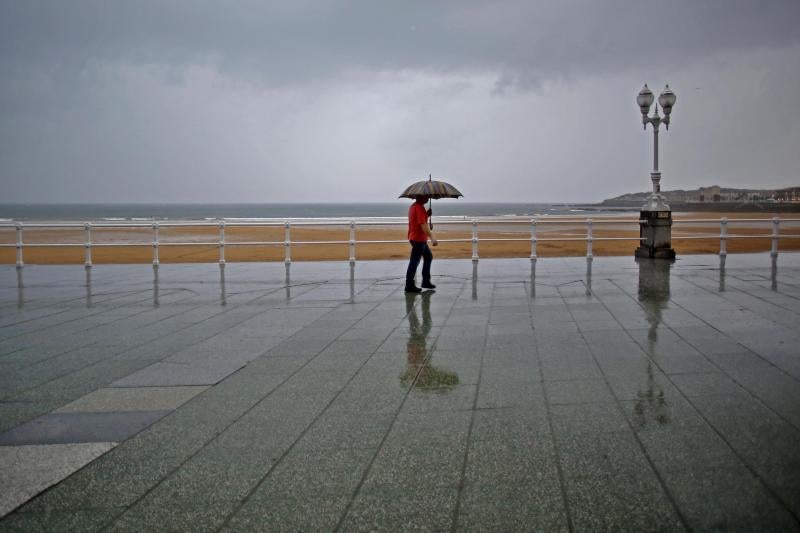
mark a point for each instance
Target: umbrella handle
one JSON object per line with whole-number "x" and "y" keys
{"x": 430, "y": 209}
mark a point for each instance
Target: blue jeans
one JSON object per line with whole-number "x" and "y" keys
{"x": 419, "y": 250}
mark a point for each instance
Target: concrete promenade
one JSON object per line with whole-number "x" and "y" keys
{"x": 576, "y": 396}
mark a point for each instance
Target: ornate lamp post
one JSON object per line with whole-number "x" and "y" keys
{"x": 655, "y": 222}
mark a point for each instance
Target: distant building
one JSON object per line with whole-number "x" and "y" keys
{"x": 715, "y": 193}
{"x": 790, "y": 194}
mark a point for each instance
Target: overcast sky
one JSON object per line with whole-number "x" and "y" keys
{"x": 528, "y": 101}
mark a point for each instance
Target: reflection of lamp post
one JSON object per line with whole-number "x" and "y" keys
{"x": 655, "y": 230}
{"x": 654, "y": 294}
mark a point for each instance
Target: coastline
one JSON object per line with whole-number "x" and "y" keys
{"x": 137, "y": 242}
{"x": 738, "y": 208}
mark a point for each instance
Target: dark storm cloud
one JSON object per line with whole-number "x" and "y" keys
{"x": 284, "y": 42}
{"x": 196, "y": 100}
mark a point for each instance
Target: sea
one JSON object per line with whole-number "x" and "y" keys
{"x": 269, "y": 211}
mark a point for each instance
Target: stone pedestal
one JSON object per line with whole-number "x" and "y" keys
{"x": 655, "y": 234}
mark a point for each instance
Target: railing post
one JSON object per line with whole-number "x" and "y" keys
{"x": 88, "y": 246}
{"x": 287, "y": 245}
{"x": 352, "y": 242}
{"x": 222, "y": 242}
{"x": 533, "y": 239}
{"x": 20, "y": 262}
{"x": 775, "y": 233}
{"x": 589, "y": 238}
{"x": 474, "y": 240}
{"x": 723, "y": 237}
{"x": 155, "y": 244}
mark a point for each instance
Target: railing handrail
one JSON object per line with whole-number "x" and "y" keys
{"x": 367, "y": 221}
{"x": 352, "y": 224}
{"x": 361, "y": 221}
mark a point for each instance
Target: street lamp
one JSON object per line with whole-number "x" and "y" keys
{"x": 656, "y": 218}
{"x": 666, "y": 100}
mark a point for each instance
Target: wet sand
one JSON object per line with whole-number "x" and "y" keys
{"x": 138, "y": 241}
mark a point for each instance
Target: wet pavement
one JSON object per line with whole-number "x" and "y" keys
{"x": 575, "y": 395}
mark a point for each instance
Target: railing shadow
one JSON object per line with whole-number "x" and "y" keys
{"x": 155, "y": 286}
{"x": 20, "y": 290}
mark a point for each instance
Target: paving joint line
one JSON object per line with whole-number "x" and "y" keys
{"x": 710, "y": 361}
{"x": 171, "y": 353}
{"x": 322, "y": 411}
{"x": 746, "y": 464}
{"x": 739, "y": 289}
{"x": 205, "y": 444}
{"x": 89, "y": 345}
{"x": 368, "y": 468}
{"x": 99, "y": 312}
{"x": 44, "y": 306}
{"x": 462, "y": 478}
{"x": 621, "y": 412}
{"x": 556, "y": 448}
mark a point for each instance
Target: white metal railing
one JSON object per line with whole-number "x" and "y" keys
{"x": 589, "y": 237}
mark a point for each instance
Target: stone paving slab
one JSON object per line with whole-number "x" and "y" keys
{"x": 132, "y": 399}
{"x": 561, "y": 394}
{"x": 27, "y": 470}
{"x": 63, "y": 428}
{"x": 174, "y": 374}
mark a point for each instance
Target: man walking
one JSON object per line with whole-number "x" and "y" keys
{"x": 418, "y": 233}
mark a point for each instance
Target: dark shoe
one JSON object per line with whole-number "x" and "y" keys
{"x": 413, "y": 288}
{"x": 428, "y": 285}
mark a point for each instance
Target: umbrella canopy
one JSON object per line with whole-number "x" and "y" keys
{"x": 431, "y": 189}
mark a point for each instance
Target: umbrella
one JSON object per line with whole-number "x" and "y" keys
{"x": 431, "y": 189}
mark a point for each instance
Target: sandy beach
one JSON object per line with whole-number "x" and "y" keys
{"x": 193, "y": 248}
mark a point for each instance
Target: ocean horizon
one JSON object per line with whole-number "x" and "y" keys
{"x": 27, "y": 212}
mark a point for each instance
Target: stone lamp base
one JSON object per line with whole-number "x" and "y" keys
{"x": 655, "y": 234}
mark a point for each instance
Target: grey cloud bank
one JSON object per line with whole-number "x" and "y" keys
{"x": 311, "y": 101}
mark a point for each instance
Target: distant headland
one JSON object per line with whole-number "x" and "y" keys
{"x": 716, "y": 198}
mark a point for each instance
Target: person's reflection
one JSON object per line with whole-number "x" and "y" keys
{"x": 419, "y": 371}
{"x": 654, "y": 294}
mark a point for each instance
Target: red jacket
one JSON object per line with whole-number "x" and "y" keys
{"x": 417, "y": 215}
